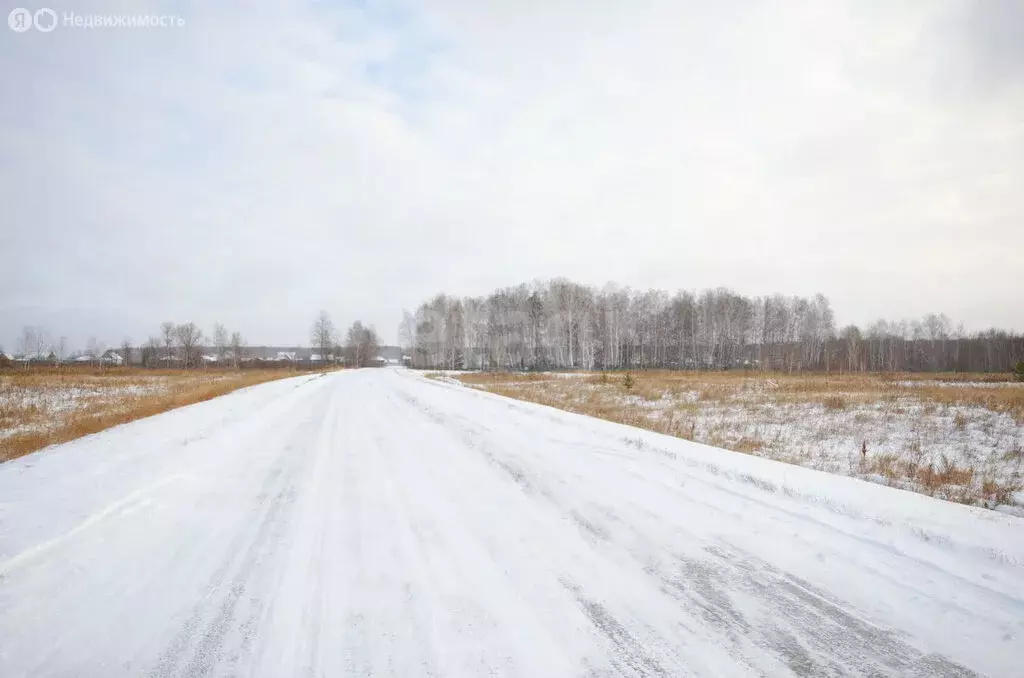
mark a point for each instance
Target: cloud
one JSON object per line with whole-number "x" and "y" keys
{"x": 267, "y": 160}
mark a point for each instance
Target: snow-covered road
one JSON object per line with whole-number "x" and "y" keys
{"x": 378, "y": 523}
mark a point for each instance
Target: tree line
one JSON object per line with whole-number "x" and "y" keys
{"x": 560, "y": 324}
{"x": 186, "y": 345}
{"x": 361, "y": 343}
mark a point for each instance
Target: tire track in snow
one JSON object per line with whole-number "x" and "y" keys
{"x": 201, "y": 638}
{"x": 378, "y": 524}
{"x": 118, "y": 507}
{"x": 819, "y": 620}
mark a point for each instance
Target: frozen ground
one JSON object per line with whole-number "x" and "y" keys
{"x": 378, "y": 523}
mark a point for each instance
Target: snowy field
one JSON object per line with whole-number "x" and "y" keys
{"x": 39, "y": 407}
{"x": 961, "y": 441}
{"x": 376, "y": 522}
{"x": 34, "y": 404}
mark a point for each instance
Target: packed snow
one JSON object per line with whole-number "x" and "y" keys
{"x": 376, "y": 522}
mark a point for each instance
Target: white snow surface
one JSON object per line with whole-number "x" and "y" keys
{"x": 375, "y": 522}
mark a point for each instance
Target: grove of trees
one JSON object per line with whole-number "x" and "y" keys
{"x": 560, "y": 324}
{"x": 361, "y": 345}
{"x": 176, "y": 345}
{"x": 185, "y": 345}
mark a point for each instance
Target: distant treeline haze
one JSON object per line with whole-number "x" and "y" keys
{"x": 562, "y": 324}
{"x": 185, "y": 345}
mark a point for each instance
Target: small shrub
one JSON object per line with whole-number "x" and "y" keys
{"x": 960, "y": 421}
{"x": 749, "y": 445}
{"x": 628, "y": 382}
{"x": 1018, "y": 372}
{"x": 948, "y": 473}
{"x": 997, "y": 493}
{"x": 834, "y": 402}
{"x": 885, "y": 465}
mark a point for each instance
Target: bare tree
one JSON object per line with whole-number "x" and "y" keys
{"x": 62, "y": 349}
{"x": 362, "y": 345}
{"x": 220, "y": 341}
{"x": 151, "y": 352}
{"x": 28, "y": 342}
{"x": 407, "y": 332}
{"x": 237, "y": 348}
{"x": 169, "y": 333}
{"x": 126, "y": 352}
{"x": 189, "y": 338}
{"x": 561, "y": 324}
{"x": 35, "y": 343}
{"x": 322, "y": 334}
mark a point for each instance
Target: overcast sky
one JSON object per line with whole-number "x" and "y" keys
{"x": 268, "y": 159}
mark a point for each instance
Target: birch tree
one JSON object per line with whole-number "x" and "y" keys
{"x": 237, "y": 349}
{"x": 322, "y": 334}
{"x": 561, "y": 324}
{"x": 126, "y": 352}
{"x": 189, "y": 339}
{"x": 168, "y": 332}
{"x": 220, "y": 341}
{"x": 361, "y": 345}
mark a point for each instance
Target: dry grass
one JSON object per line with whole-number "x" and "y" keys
{"x": 946, "y": 480}
{"x": 957, "y": 437}
{"x": 834, "y": 402}
{"x": 44, "y": 406}
{"x": 998, "y": 399}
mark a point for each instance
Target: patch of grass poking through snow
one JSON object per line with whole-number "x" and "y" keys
{"x": 956, "y": 437}
{"x": 834, "y": 402}
{"x": 43, "y": 407}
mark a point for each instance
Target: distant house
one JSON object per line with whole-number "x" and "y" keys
{"x": 393, "y": 354}
{"x": 380, "y": 361}
{"x": 38, "y": 358}
{"x": 112, "y": 357}
{"x": 286, "y": 355}
{"x": 209, "y": 359}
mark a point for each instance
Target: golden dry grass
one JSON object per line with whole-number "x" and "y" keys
{"x": 866, "y": 419}
{"x": 45, "y": 406}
